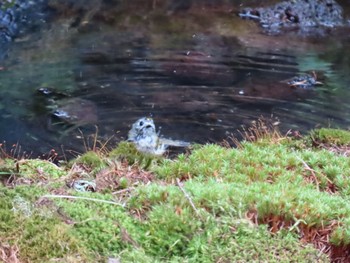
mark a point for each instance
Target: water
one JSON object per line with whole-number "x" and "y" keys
{"x": 201, "y": 77}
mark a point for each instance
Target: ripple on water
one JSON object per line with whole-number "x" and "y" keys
{"x": 199, "y": 87}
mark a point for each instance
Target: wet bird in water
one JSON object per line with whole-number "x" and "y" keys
{"x": 143, "y": 134}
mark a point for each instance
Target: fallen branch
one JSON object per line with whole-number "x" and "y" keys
{"x": 83, "y": 198}
{"x": 308, "y": 168}
{"x": 313, "y": 172}
{"x": 187, "y": 197}
{"x": 123, "y": 190}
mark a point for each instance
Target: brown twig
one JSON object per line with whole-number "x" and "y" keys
{"x": 82, "y": 198}
{"x": 308, "y": 168}
{"x": 8, "y": 254}
{"x": 188, "y": 197}
{"x": 313, "y": 173}
{"x": 123, "y": 191}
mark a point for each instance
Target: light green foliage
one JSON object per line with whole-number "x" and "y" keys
{"x": 97, "y": 225}
{"x": 168, "y": 232}
{"x": 127, "y": 151}
{"x": 39, "y": 236}
{"x": 237, "y": 242}
{"x": 8, "y": 167}
{"x": 271, "y": 179}
{"x": 202, "y": 220}
{"x": 260, "y": 163}
{"x": 93, "y": 160}
{"x": 291, "y": 202}
{"x": 35, "y": 168}
{"x": 341, "y": 235}
{"x": 331, "y": 136}
{"x": 222, "y": 232}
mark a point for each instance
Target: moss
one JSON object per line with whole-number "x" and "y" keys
{"x": 127, "y": 151}
{"x": 8, "y": 167}
{"x": 44, "y": 239}
{"x": 331, "y": 136}
{"x": 155, "y": 221}
{"x": 237, "y": 242}
{"x": 341, "y": 235}
{"x": 34, "y": 168}
{"x": 98, "y": 226}
{"x": 173, "y": 232}
{"x": 39, "y": 236}
{"x": 257, "y": 163}
{"x": 93, "y": 160}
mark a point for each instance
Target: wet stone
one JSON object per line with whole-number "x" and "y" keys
{"x": 16, "y": 15}
{"x": 17, "y": 18}
{"x": 75, "y": 111}
{"x": 302, "y": 14}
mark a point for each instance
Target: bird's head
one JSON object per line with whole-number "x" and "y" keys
{"x": 143, "y": 126}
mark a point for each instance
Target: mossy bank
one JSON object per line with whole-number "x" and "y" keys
{"x": 277, "y": 199}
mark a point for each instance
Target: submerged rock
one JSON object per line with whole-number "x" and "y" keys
{"x": 75, "y": 111}
{"x": 302, "y": 14}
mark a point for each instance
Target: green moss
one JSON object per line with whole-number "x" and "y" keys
{"x": 99, "y": 225}
{"x": 258, "y": 163}
{"x": 331, "y": 136}
{"x": 93, "y": 160}
{"x": 290, "y": 202}
{"x": 34, "y": 169}
{"x": 39, "y": 236}
{"x": 237, "y": 242}
{"x": 136, "y": 255}
{"x": 123, "y": 183}
{"x": 203, "y": 220}
{"x": 169, "y": 231}
{"x": 44, "y": 239}
{"x": 8, "y": 167}
{"x": 173, "y": 231}
{"x": 341, "y": 235}
{"x": 127, "y": 151}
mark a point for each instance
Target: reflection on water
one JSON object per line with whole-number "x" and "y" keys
{"x": 199, "y": 86}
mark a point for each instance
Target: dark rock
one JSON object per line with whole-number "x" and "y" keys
{"x": 17, "y": 18}
{"x": 19, "y": 15}
{"x": 75, "y": 111}
{"x": 301, "y": 14}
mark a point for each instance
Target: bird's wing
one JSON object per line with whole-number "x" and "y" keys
{"x": 171, "y": 142}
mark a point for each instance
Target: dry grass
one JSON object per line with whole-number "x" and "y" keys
{"x": 263, "y": 128}
{"x": 112, "y": 177}
{"x": 8, "y": 253}
{"x": 318, "y": 236}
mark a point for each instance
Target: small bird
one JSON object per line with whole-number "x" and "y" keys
{"x": 143, "y": 134}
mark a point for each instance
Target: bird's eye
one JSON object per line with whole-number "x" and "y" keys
{"x": 141, "y": 123}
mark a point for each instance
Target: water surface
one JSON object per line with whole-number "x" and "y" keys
{"x": 201, "y": 77}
